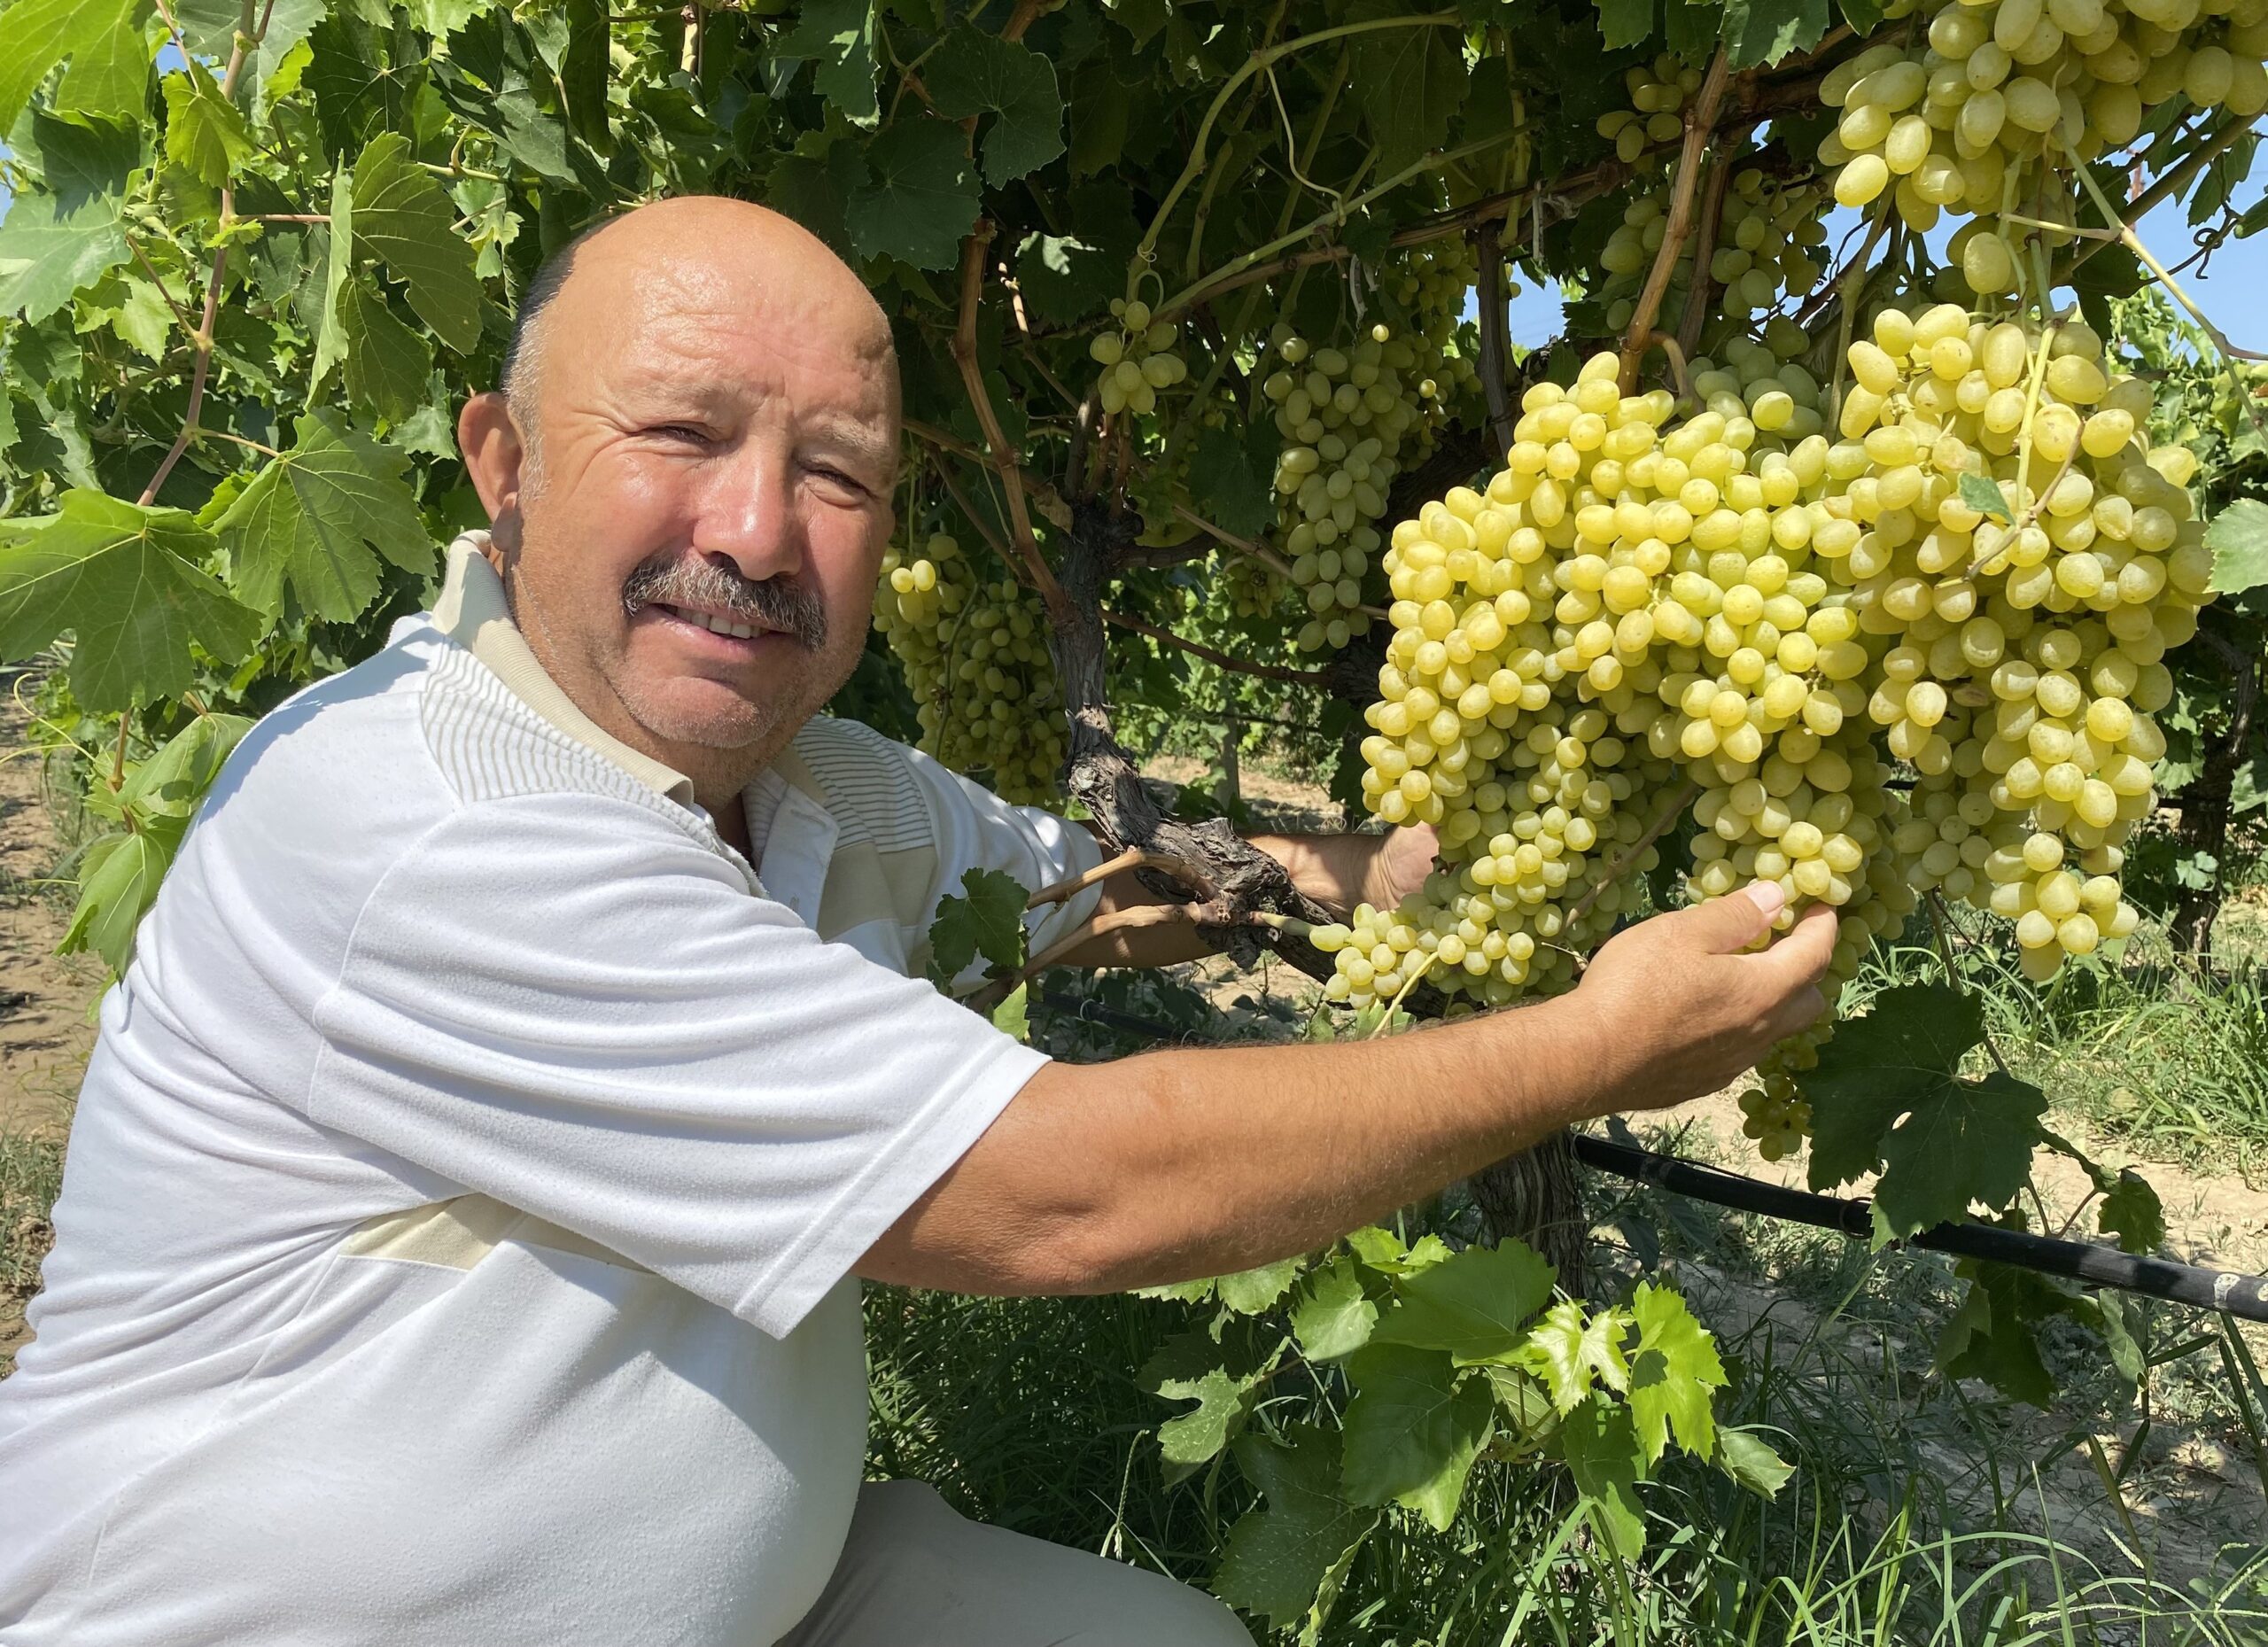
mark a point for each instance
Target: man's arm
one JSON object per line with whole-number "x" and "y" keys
{"x": 1195, "y": 1162}
{"x": 1337, "y": 871}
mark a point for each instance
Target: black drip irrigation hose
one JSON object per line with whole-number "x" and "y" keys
{"x": 2242, "y": 1295}
{"x": 2245, "y": 1296}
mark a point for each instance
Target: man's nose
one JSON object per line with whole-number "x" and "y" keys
{"x": 746, "y": 513}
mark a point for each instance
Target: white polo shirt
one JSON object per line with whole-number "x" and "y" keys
{"x": 457, "y": 1238}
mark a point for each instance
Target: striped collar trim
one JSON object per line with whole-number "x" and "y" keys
{"x": 472, "y": 611}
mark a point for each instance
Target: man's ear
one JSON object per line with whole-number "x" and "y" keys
{"x": 493, "y": 452}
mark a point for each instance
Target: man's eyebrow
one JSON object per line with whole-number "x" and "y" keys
{"x": 859, "y": 438}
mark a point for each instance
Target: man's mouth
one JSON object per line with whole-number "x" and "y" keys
{"x": 716, "y": 622}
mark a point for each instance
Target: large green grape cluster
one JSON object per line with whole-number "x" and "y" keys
{"x": 1136, "y": 359}
{"x": 975, "y": 653}
{"x": 1775, "y": 613}
{"x": 1351, "y": 418}
{"x": 2003, "y": 90}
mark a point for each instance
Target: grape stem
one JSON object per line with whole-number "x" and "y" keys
{"x": 1495, "y": 333}
{"x": 1941, "y": 921}
{"x": 1992, "y": 562}
{"x": 1699, "y": 288}
{"x": 1003, "y": 456}
{"x": 1139, "y": 915}
{"x": 1670, "y": 813}
{"x": 1132, "y": 858}
{"x": 1700, "y": 126}
{"x": 1848, "y": 290}
{"x": 1401, "y": 995}
{"x": 2175, "y": 180}
{"x": 1235, "y": 666}
{"x": 1049, "y": 500}
{"x": 1260, "y": 552}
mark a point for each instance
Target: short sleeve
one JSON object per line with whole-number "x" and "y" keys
{"x": 976, "y": 830}
{"x": 565, "y": 1003}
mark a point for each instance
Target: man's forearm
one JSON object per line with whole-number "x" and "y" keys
{"x": 1249, "y": 1153}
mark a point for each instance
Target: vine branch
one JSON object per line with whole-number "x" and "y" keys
{"x": 1235, "y": 666}
{"x": 1700, "y": 126}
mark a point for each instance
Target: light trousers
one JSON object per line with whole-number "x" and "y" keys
{"x": 915, "y": 1573}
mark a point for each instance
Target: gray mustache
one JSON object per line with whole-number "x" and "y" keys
{"x": 689, "y": 579}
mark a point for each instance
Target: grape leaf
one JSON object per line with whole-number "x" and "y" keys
{"x": 48, "y": 251}
{"x": 125, "y": 580}
{"x": 1412, "y": 82}
{"x": 1673, "y": 1372}
{"x": 1012, "y": 1016}
{"x": 1887, "y": 1092}
{"x": 387, "y": 363}
{"x": 1765, "y": 31}
{"x": 1280, "y": 1554}
{"x": 144, "y": 320}
{"x": 2239, "y": 539}
{"x": 987, "y": 919}
{"x": 971, "y": 73}
{"x": 1188, "y": 1440}
{"x": 109, "y": 72}
{"x": 1989, "y": 1337}
{"x": 312, "y": 518}
{"x": 1476, "y": 1305}
{"x": 1625, "y": 22}
{"x": 583, "y": 69}
{"x": 206, "y": 134}
{"x": 330, "y": 333}
{"x": 36, "y": 34}
{"x": 1413, "y": 1429}
{"x": 838, "y": 35}
{"x": 1984, "y": 497}
{"x": 1567, "y": 1351}
{"x": 1750, "y": 1459}
{"x": 1335, "y": 1317}
{"x": 405, "y": 218}
{"x": 118, "y": 881}
{"x": 171, "y": 783}
{"x": 1228, "y": 483}
{"x": 1248, "y": 1292}
{"x": 919, "y": 200}
{"x": 1602, "y": 1452}
{"x": 2129, "y": 1211}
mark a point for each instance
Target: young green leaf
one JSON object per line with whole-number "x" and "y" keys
{"x": 1888, "y": 1092}
{"x": 314, "y": 516}
{"x": 1335, "y": 1315}
{"x": 1984, "y": 497}
{"x": 331, "y": 329}
{"x": 172, "y": 781}
{"x": 1280, "y": 1554}
{"x": 109, "y": 70}
{"x": 1413, "y": 1429}
{"x": 1569, "y": 1350}
{"x": 387, "y": 363}
{"x": 1012, "y": 1016}
{"x": 1990, "y": 1336}
{"x": 1674, "y": 1374}
{"x": 126, "y": 580}
{"x": 1751, "y": 1460}
{"x": 1476, "y": 1305}
{"x": 118, "y": 881}
{"x": 404, "y": 218}
{"x": 1601, "y": 1448}
{"x": 987, "y": 919}
{"x": 2129, "y": 1211}
{"x": 206, "y": 134}
{"x": 2239, "y": 539}
{"x": 1191, "y": 1439}
{"x": 1248, "y": 1292}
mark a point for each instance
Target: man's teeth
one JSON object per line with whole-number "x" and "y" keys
{"x": 715, "y": 625}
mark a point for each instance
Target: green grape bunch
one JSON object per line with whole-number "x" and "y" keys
{"x": 1976, "y": 117}
{"x": 1136, "y": 361}
{"x": 974, "y": 654}
{"x": 1658, "y": 93}
{"x": 1764, "y": 249}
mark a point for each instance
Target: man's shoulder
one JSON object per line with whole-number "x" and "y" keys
{"x": 869, "y": 781}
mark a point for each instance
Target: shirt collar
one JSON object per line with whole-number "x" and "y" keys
{"x": 472, "y": 611}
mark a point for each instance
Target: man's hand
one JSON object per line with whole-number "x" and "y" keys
{"x": 1682, "y": 1006}
{"x": 1206, "y": 1161}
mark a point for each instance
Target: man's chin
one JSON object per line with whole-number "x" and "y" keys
{"x": 717, "y": 719}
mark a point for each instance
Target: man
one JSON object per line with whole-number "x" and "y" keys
{"x": 466, "y": 1197}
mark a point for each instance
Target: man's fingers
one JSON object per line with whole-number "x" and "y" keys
{"x": 1727, "y": 925}
{"x": 1801, "y": 954}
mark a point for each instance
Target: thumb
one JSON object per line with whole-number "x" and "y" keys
{"x": 1725, "y": 926}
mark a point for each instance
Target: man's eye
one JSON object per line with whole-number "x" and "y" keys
{"x": 686, "y": 432}
{"x": 836, "y": 476}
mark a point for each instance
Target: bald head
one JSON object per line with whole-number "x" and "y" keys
{"x": 708, "y": 237}
{"x": 714, "y": 400}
